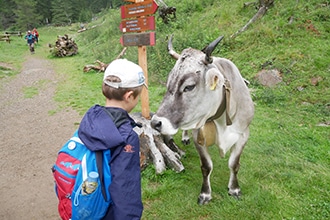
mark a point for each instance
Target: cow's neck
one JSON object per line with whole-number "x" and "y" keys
{"x": 224, "y": 105}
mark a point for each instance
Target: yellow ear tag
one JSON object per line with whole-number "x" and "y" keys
{"x": 213, "y": 85}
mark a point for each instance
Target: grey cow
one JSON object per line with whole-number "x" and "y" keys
{"x": 208, "y": 96}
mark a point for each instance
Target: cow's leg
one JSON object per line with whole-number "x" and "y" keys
{"x": 206, "y": 168}
{"x": 233, "y": 164}
{"x": 185, "y": 137}
{"x": 168, "y": 139}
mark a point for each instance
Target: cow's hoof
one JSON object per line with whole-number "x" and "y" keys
{"x": 236, "y": 193}
{"x": 203, "y": 199}
{"x": 185, "y": 141}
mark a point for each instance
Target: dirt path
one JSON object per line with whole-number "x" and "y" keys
{"x": 29, "y": 140}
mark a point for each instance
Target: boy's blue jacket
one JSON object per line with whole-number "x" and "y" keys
{"x": 29, "y": 38}
{"x": 99, "y": 132}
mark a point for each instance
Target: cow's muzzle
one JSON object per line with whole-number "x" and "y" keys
{"x": 157, "y": 125}
{"x": 163, "y": 125}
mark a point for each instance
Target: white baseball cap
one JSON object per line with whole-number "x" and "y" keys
{"x": 130, "y": 74}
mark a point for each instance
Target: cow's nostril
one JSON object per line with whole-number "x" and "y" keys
{"x": 156, "y": 125}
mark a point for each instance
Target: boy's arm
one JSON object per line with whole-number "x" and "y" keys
{"x": 125, "y": 188}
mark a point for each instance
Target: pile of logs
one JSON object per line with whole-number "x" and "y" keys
{"x": 156, "y": 149}
{"x": 64, "y": 46}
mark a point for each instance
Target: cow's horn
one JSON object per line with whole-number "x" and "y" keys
{"x": 170, "y": 50}
{"x": 209, "y": 49}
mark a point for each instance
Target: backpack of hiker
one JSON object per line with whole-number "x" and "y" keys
{"x": 82, "y": 178}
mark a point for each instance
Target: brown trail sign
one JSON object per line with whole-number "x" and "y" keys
{"x": 144, "y": 8}
{"x": 138, "y": 24}
{"x": 138, "y": 39}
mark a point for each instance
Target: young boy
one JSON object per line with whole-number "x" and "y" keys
{"x": 110, "y": 127}
{"x": 30, "y": 38}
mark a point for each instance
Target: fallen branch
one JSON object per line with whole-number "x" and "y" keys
{"x": 263, "y": 7}
{"x": 102, "y": 66}
{"x": 82, "y": 30}
{"x": 85, "y": 29}
{"x": 122, "y": 53}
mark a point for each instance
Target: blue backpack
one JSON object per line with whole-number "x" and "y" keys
{"x": 70, "y": 170}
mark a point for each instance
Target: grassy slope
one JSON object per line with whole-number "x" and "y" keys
{"x": 285, "y": 166}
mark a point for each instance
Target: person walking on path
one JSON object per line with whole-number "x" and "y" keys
{"x": 30, "y": 38}
{"x": 36, "y": 34}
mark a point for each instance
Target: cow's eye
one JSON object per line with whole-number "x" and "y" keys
{"x": 188, "y": 88}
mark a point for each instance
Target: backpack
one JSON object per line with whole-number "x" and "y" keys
{"x": 74, "y": 162}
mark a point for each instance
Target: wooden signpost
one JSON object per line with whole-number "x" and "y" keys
{"x": 136, "y": 18}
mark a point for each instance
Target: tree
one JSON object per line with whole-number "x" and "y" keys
{"x": 26, "y": 17}
{"x": 43, "y": 9}
{"x": 62, "y": 12}
{"x": 7, "y": 14}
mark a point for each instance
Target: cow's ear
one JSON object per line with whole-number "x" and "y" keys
{"x": 213, "y": 79}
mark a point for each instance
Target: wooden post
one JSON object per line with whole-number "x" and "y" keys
{"x": 134, "y": 20}
{"x": 142, "y": 53}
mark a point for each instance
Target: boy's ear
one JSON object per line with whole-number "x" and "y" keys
{"x": 127, "y": 95}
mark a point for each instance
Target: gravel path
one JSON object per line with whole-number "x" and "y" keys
{"x": 29, "y": 140}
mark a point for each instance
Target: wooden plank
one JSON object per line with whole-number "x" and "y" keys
{"x": 147, "y": 7}
{"x": 5, "y": 39}
{"x": 138, "y": 39}
{"x": 138, "y": 24}
{"x": 142, "y": 53}
{"x": 18, "y": 33}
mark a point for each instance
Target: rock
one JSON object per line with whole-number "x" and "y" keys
{"x": 269, "y": 77}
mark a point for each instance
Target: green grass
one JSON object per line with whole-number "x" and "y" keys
{"x": 285, "y": 167}
{"x": 31, "y": 91}
{"x": 12, "y": 54}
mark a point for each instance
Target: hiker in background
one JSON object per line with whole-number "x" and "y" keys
{"x": 122, "y": 85}
{"x": 30, "y": 38}
{"x": 36, "y": 34}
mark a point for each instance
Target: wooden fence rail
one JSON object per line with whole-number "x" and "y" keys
{"x": 5, "y": 37}
{"x": 17, "y": 33}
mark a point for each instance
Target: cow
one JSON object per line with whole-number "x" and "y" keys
{"x": 209, "y": 96}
